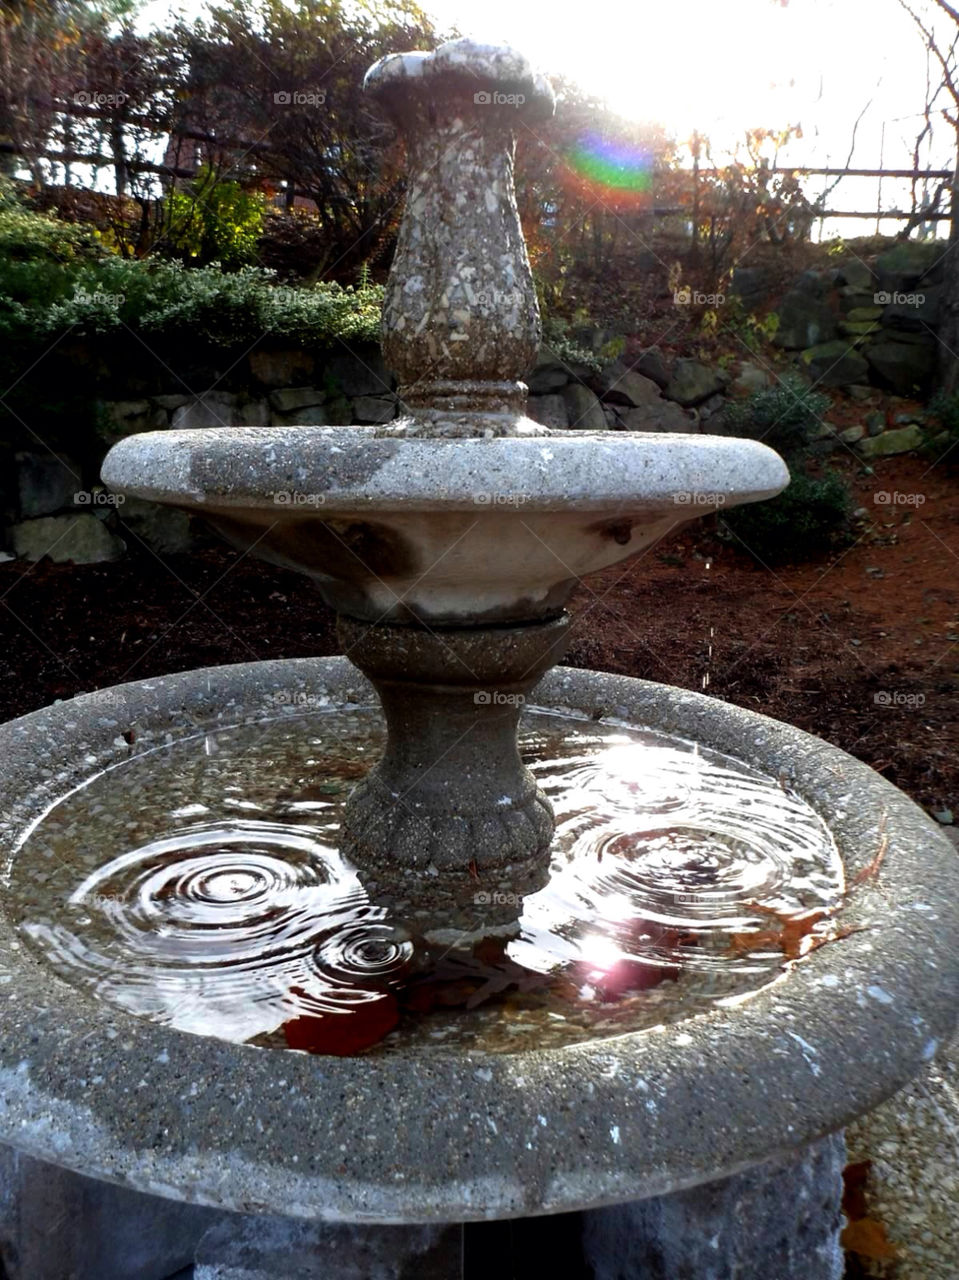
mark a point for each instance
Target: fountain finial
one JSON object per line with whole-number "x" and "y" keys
{"x": 460, "y": 321}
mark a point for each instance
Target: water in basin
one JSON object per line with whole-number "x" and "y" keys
{"x": 199, "y": 885}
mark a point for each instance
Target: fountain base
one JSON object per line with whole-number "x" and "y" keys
{"x": 426, "y": 1136}
{"x": 778, "y": 1219}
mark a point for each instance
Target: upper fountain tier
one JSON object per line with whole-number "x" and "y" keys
{"x": 463, "y": 511}
{"x": 443, "y": 532}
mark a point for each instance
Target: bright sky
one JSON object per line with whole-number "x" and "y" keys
{"x": 724, "y": 67}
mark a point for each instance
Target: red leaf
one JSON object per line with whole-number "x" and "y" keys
{"x": 346, "y": 1033}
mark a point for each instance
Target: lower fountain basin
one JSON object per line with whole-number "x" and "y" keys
{"x": 414, "y": 1137}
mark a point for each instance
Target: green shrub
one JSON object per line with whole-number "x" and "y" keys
{"x": 164, "y": 300}
{"x": 783, "y": 416}
{"x": 808, "y": 519}
{"x": 214, "y": 222}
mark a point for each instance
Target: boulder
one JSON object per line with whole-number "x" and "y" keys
{"x": 215, "y": 409}
{"x": 900, "y": 440}
{"x": 620, "y": 384}
{"x": 750, "y": 379}
{"x": 548, "y": 411}
{"x": 903, "y": 267}
{"x": 281, "y": 368}
{"x": 915, "y": 310}
{"x": 253, "y": 413}
{"x": 693, "y": 382}
{"x": 852, "y": 435}
{"x": 119, "y": 418}
{"x": 374, "y": 409}
{"x": 860, "y": 391}
{"x": 876, "y": 422}
{"x": 315, "y": 415}
{"x": 80, "y": 539}
{"x": 289, "y": 399}
{"x": 903, "y": 367}
{"x": 583, "y": 408}
{"x": 164, "y": 529}
{"x": 46, "y": 482}
{"x": 172, "y": 402}
{"x": 751, "y": 285}
{"x": 359, "y": 372}
{"x": 805, "y": 320}
{"x": 858, "y": 329}
{"x": 651, "y": 364}
{"x": 858, "y": 275}
{"x": 663, "y": 415}
{"x": 548, "y": 374}
{"x": 853, "y": 299}
{"x": 835, "y": 364}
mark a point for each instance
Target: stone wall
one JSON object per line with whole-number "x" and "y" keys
{"x": 867, "y": 322}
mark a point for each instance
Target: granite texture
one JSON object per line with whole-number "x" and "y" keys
{"x": 436, "y": 1137}
{"x": 451, "y": 792}
{"x": 460, "y": 318}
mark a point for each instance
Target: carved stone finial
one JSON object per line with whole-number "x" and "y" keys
{"x": 460, "y": 321}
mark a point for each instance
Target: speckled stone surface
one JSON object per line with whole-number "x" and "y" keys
{"x": 460, "y": 318}
{"x": 443, "y": 532}
{"x": 429, "y": 1138}
{"x": 780, "y": 1219}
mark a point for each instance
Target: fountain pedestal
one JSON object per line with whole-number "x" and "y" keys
{"x": 451, "y": 791}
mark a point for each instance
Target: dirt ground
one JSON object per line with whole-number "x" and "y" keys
{"x": 861, "y": 648}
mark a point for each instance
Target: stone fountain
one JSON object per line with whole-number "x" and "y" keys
{"x": 448, "y": 542}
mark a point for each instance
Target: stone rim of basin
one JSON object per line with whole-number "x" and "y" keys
{"x": 416, "y": 1138}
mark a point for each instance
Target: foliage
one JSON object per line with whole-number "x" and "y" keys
{"x": 809, "y": 519}
{"x": 164, "y": 300}
{"x": 557, "y": 338}
{"x": 40, "y": 256}
{"x": 782, "y": 416}
{"x": 214, "y": 221}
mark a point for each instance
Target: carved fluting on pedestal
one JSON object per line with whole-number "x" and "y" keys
{"x": 451, "y": 794}
{"x": 460, "y": 319}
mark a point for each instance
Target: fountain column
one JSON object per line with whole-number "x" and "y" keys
{"x": 460, "y": 326}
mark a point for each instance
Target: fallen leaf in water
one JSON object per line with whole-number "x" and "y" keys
{"x": 342, "y": 1034}
{"x": 867, "y": 1237}
{"x": 854, "y": 1178}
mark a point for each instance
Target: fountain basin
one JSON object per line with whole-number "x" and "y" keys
{"x": 453, "y": 1137}
{"x": 443, "y": 532}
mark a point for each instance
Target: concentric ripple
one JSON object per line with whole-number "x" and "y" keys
{"x": 201, "y": 886}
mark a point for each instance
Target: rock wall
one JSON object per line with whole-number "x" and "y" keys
{"x": 868, "y": 322}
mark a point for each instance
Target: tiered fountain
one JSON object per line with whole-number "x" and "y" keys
{"x": 648, "y": 974}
